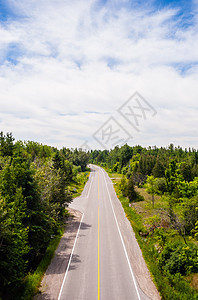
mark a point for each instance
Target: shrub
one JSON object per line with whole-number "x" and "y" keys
{"x": 123, "y": 186}
{"x": 131, "y": 193}
{"x": 179, "y": 258}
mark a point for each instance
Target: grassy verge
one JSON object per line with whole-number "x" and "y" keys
{"x": 76, "y": 187}
{"x": 171, "y": 287}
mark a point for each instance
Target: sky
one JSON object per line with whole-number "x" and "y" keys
{"x": 99, "y": 73}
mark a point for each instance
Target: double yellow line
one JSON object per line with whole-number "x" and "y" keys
{"x": 98, "y": 244}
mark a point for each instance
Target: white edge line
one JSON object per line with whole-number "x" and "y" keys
{"x": 90, "y": 187}
{"x": 132, "y": 274}
{"x": 70, "y": 258}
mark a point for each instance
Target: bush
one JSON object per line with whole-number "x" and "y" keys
{"x": 160, "y": 184}
{"x": 125, "y": 170}
{"x": 123, "y": 186}
{"x": 179, "y": 258}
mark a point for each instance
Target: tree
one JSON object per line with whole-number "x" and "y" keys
{"x": 33, "y": 201}
{"x": 123, "y": 186}
{"x": 173, "y": 178}
{"x": 151, "y": 188}
{"x": 160, "y": 184}
{"x": 195, "y": 231}
{"x": 19, "y": 175}
{"x": 176, "y": 222}
{"x": 158, "y": 169}
{"x": 6, "y": 144}
{"x": 185, "y": 170}
{"x": 52, "y": 186}
{"x": 13, "y": 240}
{"x": 177, "y": 257}
{"x": 189, "y": 213}
{"x": 57, "y": 161}
{"x": 131, "y": 193}
{"x": 80, "y": 158}
{"x": 125, "y": 155}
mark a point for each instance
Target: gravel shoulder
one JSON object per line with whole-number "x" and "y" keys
{"x": 53, "y": 278}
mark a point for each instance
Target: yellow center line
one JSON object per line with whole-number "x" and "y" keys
{"x": 98, "y": 187}
{"x": 98, "y": 256}
{"x": 98, "y": 245}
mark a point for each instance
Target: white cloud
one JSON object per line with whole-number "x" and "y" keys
{"x": 71, "y": 58}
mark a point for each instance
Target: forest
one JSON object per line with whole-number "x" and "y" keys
{"x": 158, "y": 188}
{"x": 37, "y": 182}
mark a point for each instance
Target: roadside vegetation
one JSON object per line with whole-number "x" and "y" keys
{"x": 158, "y": 188}
{"x": 37, "y": 182}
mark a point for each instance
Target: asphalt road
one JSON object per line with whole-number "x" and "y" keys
{"x": 99, "y": 266}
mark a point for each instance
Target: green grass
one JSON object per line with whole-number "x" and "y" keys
{"x": 145, "y": 207}
{"x": 76, "y": 187}
{"x": 32, "y": 281}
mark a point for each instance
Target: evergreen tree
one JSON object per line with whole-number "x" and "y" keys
{"x": 6, "y": 144}
{"x": 158, "y": 169}
{"x": 131, "y": 193}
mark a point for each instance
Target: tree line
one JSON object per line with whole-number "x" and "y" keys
{"x": 171, "y": 170}
{"x": 35, "y": 190}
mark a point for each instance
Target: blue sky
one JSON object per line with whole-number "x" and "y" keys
{"x": 5, "y": 11}
{"x": 67, "y": 66}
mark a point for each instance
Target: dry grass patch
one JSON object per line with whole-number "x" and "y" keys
{"x": 145, "y": 209}
{"x": 193, "y": 279}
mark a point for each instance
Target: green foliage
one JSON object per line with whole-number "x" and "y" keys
{"x": 179, "y": 258}
{"x": 36, "y": 183}
{"x": 184, "y": 168}
{"x": 153, "y": 222}
{"x": 13, "y": 240}
{"x": 123, "y": 186}
{"x": 195, "y": 230}
{"x": 171, "y": 162}
{"x": 127, "y": 189}
{"x": 158, "y": 169}
{"x": 191, "y": 188}
{"x": 151, "y": 187}
{"x": 130, "y": 191}
{"x": 189, "y": 213}
{"x": 179, "y": 180}
{"x": 6, "y": 144}
{"x": 160, "y": 236}
{"x": 76, "y": 170}
{"x": 125, "y": 170}
{"x": 32, "y": 281}
{"x": 160, "y": 186}
{"x": 80, "y": 158}
{"x": 115, "y": 167}
{"x": 125, "y": 154}
{"x": 134, "y": 218}
{"x": 34, "y": 194}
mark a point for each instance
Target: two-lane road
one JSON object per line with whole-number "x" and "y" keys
{"x": 99, "y": 267}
